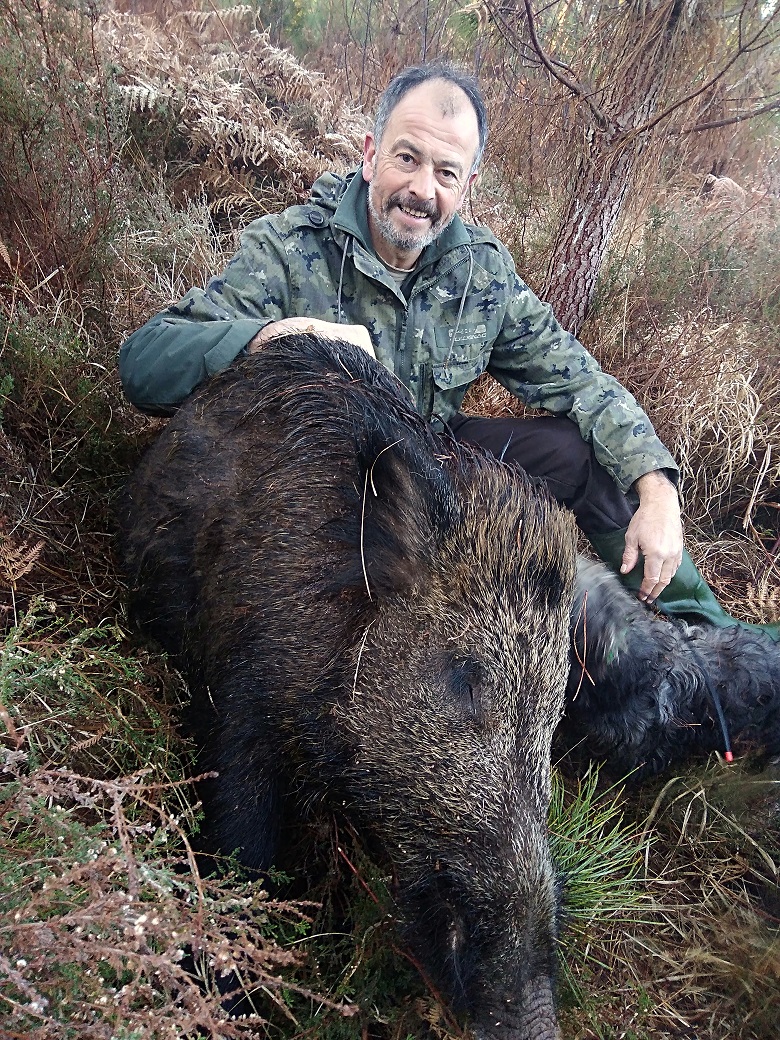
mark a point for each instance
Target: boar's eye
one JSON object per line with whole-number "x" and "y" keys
{"x": 467, "y": 678}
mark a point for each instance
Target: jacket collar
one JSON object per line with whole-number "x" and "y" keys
{"x": 351, "y": 216}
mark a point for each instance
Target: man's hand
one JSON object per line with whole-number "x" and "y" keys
{"x": 357, "y": 334}
{"x": 655, "y": 531}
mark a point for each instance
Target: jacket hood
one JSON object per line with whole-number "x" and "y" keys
{"x": 328, "y": 189}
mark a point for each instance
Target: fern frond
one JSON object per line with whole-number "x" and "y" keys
{"x": 763, "y": 599}
{"x": 142, "y": 97}
{"x": 248, "y": 113}
{"x": 17, "y": 559}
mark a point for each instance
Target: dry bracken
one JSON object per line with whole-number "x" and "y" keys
{"x": 242, "y": 111}
{"x": 17, "y": 558}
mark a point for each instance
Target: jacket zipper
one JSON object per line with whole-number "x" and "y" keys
{"x": 425, "y": 389}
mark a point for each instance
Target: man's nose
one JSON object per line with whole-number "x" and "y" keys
{"x": 423, "y": 183}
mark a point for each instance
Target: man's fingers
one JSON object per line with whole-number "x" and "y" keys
{"x": 650, "y": 588}
{"x": 652, "y": 583}
{"x": 656, "y": 580}
{"x": 656, "y": 531}
{"x": 356, "y": 334}
{"x": 630, "y": 558}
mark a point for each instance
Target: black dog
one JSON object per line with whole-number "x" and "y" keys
{"x": 644, "y": 692}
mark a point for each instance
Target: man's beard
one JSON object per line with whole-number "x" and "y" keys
{"x": 407, "y": 241}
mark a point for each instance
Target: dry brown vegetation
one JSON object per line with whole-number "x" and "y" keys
{"x": 254, "y": 126}
{"x": 133, "y": 146}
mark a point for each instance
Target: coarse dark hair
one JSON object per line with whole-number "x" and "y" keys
{"x": 412, "y": 77}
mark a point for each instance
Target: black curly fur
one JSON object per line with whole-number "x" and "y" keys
{"x": 643, "y": 691}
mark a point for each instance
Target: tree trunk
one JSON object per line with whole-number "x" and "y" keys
{"x": 645, "y": 52}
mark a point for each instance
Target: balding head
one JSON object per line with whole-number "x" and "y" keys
{"x": 458, "y": 89}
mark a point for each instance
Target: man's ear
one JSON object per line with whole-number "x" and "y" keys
{"x": 464, "y": 193}
{"x": 369, "y": 151}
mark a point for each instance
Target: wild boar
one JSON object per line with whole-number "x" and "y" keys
{"x": 374, "y": 616}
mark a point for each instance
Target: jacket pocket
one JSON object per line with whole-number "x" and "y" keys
{"x": 460, "y": 363}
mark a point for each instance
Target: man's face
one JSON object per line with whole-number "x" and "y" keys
{"x": 419, "y": 174}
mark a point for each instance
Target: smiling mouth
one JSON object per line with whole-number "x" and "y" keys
{"x": 425, "y": 211}
{"x": 417, "y": 214}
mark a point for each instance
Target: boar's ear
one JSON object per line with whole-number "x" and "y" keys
{"x": 407, "y": 505}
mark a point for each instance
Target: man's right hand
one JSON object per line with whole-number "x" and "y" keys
{"x": 356, "y": 334}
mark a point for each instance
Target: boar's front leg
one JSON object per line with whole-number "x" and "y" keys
{"x": 241, "y": 805}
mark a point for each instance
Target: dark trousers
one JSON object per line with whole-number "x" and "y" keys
{"x": 552, "y": 448}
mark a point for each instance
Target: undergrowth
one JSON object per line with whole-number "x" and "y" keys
{"x": 59, "y": 153}
{"x": 127, "y": 161}
{"x": 108, "y": 926}
{"x": 687, "y": 318}
{"x": 108, "y": 929}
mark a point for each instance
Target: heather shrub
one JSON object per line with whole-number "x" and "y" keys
{"x": 108, "y": 927}
{"x": 59, "y": 153}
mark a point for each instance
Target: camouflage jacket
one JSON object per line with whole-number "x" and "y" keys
{"x": 463, "y": 311}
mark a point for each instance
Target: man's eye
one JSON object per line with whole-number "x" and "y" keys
{"x": 406, "y": 158}
{"x": 449, "y": 178}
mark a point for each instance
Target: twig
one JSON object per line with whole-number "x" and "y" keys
{"x": 746, "y": 519}
{"x": 570, "y": 84}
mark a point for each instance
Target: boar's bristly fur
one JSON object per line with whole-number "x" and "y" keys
{"x": 372, "y": 615}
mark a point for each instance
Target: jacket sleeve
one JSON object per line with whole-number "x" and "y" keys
{"x": 165, "y": 360}
{"x": 546, "y": 367}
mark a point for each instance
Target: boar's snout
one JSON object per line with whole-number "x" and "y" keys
{"x": 534, "y": 1020}
{"x": 486, "y": 926}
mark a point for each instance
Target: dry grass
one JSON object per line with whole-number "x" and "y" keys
{"x": 702, "y": 955}
{"x": 708, "y": 410}
{"x": 744, "y": 572}
{"x": 165, "y": 251}
{"x": 254, "y": 127}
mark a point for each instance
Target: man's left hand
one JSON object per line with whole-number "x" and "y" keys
{"x": 655, "y": 531}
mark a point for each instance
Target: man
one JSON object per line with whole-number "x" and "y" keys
{"x": 382, "y": 258}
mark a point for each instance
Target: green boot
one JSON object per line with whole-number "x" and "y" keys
{"x": 687, "y": 595}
